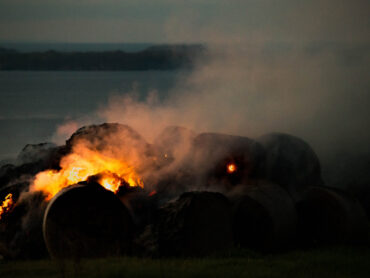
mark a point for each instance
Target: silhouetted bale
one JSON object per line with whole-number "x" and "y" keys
{"x": 212, "y": 153}
{"x": 329, "y": 216}
{"x": 87, "y": 221}
{"x": 29, "y": 163}
{"x": 264, "y": 218}
{"x": 141, "y": 204}
{"x": 21, "y": 229}
{"x": 35, "y": 152}
{"x": 362, "y": 193}
{"x": 197, "y": 224}
{"x": 290, "y": 163}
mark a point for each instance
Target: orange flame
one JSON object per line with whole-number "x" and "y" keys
{"x": 7, "y": 204}
{"x": 231, "y": 168}
{"x": 80, "y": 165}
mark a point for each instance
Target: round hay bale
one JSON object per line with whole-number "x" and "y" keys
{"x": 212, "y": 154}
{"x": 264, "y": 218}
{"x": 197, "y": 224}
{"x": 119, "y": 141}
{"x": 330, "y": 216}
{"x": 21, "y": 229}
{"x": 87, "y": 221}
{"x": 290, "y": 163}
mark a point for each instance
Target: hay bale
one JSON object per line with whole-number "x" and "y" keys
{"x": 290, "y": 163}
{"x": 212, "y": 153}
{"x": 264, "y": 218}
{"x": 330, "y": 216}
{"x": 197, "y": 224}
{"x": 21, "y": 229}
{"x": 87, "y": 221}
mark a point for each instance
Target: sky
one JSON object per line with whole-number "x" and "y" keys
{"x": 162, "y": 21}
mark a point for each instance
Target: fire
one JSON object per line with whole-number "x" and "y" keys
{"x": 80, "y": 165}
{"x": 7, "y": 204}
{"x": 231, "y": 168}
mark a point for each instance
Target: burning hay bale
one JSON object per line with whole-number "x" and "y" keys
{"x": 329, "y": 216}
{"x": 87, "y": 221}
{"x": 21, "y": 228}
{"x": 290, "y": 163}
{"x": 197, "y": 224}
{"x": 264, "y": 217}
{"x": 226, "y": 159}
{"x": 109, "y": 135}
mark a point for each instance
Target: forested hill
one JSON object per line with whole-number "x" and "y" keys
{"x": 161, "y": 57}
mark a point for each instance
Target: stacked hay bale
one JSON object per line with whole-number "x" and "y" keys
{"x": 212, "y": 153}
{"x": 197, "y": 224}
{"x": 87, "y": 221}
{"x": 331, "y": 216}
{"x": 291, "y": 163}
{"x": 264, "y": 217}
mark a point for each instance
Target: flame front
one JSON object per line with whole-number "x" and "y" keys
{"x": 6, "y": 205}
{"x": 80, "y": 165}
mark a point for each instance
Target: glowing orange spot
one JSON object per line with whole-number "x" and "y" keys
{"x": 152, "y": 193}
{"x": 231, "y": 168}
{"x": 7, "y": 204}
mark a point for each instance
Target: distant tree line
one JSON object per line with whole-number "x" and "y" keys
{"x": 164, "y": 57}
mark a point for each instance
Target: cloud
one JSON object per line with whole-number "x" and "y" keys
{"x": 264, "y": 20}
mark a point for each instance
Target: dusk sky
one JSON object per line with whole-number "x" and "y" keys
{"x": 184, "y": 21}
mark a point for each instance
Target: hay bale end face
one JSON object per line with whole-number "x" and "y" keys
{"x": 330, "y": 216}
{"x": 212, "y": 153}
{"x": 197, "y": 224}
{"x": 264, "y": 218}
{"x": 87, "y": 221}
{"x": 290, "y": 163}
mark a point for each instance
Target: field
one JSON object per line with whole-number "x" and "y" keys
{"x": 326, "y": 262}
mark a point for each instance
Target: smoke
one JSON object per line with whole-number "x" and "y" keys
{"x": 320, "y": 95}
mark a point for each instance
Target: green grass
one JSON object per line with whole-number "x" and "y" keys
{"x": 327, "y": 262}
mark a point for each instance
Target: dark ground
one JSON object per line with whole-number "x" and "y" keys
{"x": 324, "y": 262}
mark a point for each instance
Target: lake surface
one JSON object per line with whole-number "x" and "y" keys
{"x": 33, "y": 104}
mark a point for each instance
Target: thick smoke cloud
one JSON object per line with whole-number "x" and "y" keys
{"x": 318, "y": 93}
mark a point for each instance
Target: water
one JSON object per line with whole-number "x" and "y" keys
{"x": 33, "y": 104}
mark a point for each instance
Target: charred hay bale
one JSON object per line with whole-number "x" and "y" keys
{"x": 21, "y": 229}
{"x": 290, "y": 163}
{"x": 212, "y": 155}
{"x": 197, "y": 224}
{"x": 264, "y": 218}
{"x": 87, "y": 221}
{"x": 329, "y": 216}
{"x": 142, "y": 205}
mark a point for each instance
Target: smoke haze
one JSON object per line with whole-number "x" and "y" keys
{"x": 320, "y": 95}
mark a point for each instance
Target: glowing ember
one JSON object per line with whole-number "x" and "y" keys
{"x": 7, "y": 204}
{"x": 80, "y": 165}
{"x": 152, "y": 193}
{"x": 231, "y": 168}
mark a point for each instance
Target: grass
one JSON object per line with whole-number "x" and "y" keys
{"x": 327, "y": 262}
